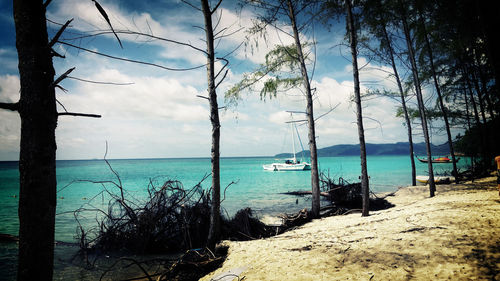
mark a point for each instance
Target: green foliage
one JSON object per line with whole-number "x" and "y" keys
{"x": 413, "y": 113}
{"x": 280, "y": 72}
{"x": 472, "y": 144}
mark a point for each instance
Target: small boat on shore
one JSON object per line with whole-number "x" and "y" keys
{"x": 437, "y": 179}
{"x": 437, "y": 160}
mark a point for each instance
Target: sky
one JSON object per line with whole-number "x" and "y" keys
{"x": 150, "y": 112}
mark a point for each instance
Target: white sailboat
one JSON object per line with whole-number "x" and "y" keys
{"x": 290, "y": 164}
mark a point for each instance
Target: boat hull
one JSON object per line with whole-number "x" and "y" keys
{"x": 424, "y": 160}
{"x": 287, "y": 167}
{"x": 437, "y": 179}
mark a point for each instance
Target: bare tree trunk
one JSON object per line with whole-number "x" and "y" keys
{"x": 214, "y": 230}
{"x": 365, "y": 189}
{"x": 479, "y": 95}
{"x": 405, "y": 109}
{"x": 440, "y": 97}
{"x": 484, "y": 88}
{"x": 310, "y": 115}
{"x": 37, "y": 166}
{"x": 472, "y": 99}
{"x": 421, "y": 105}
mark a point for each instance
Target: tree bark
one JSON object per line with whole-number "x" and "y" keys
{"x": 444, "y": 110}
{"x": 37, "y": 167}
{"x": 310, "y": 115}
{"x": 214, "y": 229}
{"x": 421, "y": 105}
{"x": 484, "y": 88}
{"x": 403, "y": 104}
{"x": 365, "y": 189}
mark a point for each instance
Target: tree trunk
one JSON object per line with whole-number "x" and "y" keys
{"x": 479, "y": 94}
{"x": 214, "y": 229}
{"x": 405, "y": 109}
{"x": 440, "y": 96}
{"x": 37, "y": 166}
{"x": 421, "y": 105}
{"x": 484, "y": 88}
{"x": 310, "y": 115}
{"x": 472, "y": 99}
{"x": 365, "y": 189}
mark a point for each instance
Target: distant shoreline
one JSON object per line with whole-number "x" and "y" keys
{"x": 387, "y": 149}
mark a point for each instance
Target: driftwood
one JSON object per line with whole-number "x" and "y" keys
{"x": 344, "y": 198}
{"x": 171, "y": 219}
{"x": 8, "y": 238}
{"x": 305, "y": 192}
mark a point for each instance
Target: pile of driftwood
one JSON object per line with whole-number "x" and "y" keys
{"x": 171, "y": 219}
{"x": 344, "y": 198}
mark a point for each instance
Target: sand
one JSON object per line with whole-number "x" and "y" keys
{"x": 452, "y": 236}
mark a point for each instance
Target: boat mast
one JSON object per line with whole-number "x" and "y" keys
{"x": 293, "y": 139}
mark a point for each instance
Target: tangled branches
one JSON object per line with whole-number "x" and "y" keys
{"x": 171, "y": 219}
{"x": 346, "y": 197}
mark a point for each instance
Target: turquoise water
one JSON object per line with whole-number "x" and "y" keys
{"x": 255, "y": 188}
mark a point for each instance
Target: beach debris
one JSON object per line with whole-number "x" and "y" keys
{"x": 171, "y": 219}
{"x": 344, "y": 197}
{"x": 290, "y": 221}
{"x": 244, "y": 226}
{"x": 230, "y": 275}
{"x": 194, "y": 264}
{"x": 8, "y": 238}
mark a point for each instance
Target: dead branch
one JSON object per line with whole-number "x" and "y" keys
{"x": 130, "y": 60}
{"x": 78, "y": 114}
{"x": 58, "y": 34}
{"x": 100, "y": 82}
{"x": 63, "y": 76}
{"x": 105, "y": 16}
{"x": 10, "y": 106}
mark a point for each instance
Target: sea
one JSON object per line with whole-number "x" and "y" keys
{"x": 80, "y": 185}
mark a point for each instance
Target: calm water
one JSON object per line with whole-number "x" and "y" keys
{"x": 255, "y": 188}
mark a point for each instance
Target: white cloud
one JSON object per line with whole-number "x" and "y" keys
{"x": 160, "y": 115}
{"x": 88, "y": 19}
{"x": 11, "y": 123}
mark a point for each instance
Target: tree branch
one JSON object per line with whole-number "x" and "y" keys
{"x": 100, "y": 82}
{"x": 192, "y": 6}
{"x": 46, "y": 3}
{"x": 9, "y": 106}
{"x": 130, "y": 32}
{"x": 63, "y": 76}
{"x": 58, "y": 34}
{"x": 216, "y": 7}
{"x": 130, "y": 60}
{"x": 79, "y": 114}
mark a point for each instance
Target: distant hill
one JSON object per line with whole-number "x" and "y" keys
{"x": 400, "y": 148}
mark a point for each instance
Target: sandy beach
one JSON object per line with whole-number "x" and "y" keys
{"x": 452, "y": 236}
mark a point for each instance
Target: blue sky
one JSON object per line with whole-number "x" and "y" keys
{"x": 158, "y": 114}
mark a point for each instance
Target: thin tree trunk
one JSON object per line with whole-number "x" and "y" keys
{"x": 421, "y": 105}
{"x": 479, "y": 95}
{"x": 440, "y": 96}
{"x": 472, "y": 99}
{"x": 405, "y": 109}
{"x": 365, "y": 189}
{"x": 484, "y": 88}
{"x": 310, "y": 116}
{"x": 37, "y": 166}
{"x": 214, "y": 229}
{"x": 467, "y": 115}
